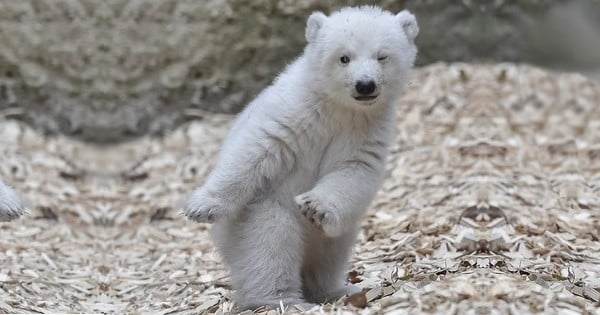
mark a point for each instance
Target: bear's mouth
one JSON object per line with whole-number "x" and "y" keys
{"x": 363, "y": 98}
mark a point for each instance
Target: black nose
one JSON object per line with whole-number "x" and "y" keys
{"x": 365, "y": 87}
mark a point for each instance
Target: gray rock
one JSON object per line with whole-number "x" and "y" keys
{"x": 106, "y": 71}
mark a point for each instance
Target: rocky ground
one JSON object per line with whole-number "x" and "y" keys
{"x": 491, "y": 206}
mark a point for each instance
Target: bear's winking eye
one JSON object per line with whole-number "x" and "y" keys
{"x": 382, "y": 58}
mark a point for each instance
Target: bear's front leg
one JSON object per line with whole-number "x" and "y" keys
{"x": 204, "y": 206}
{"x": 241, "y": 175}
{"x": 11, "y": 206}
{"x": 340, "y": 198}
{"x": 226, "y": 191}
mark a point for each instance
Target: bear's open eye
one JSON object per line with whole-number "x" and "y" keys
{"x": 344, "y": 59}
{"x": 382, "y": 58}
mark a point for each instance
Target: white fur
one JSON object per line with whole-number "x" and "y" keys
{"x": 10, "y": 204}
{"x": 304, "y": 160}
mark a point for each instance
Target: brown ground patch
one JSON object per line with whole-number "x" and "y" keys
{"x": 491, "y": 203}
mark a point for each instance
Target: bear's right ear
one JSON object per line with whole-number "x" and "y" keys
{"x": 409, "y": 24}
{"x": 313, "y": 25}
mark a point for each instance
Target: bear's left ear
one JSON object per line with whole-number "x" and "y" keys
{"x": 409, "y": 24}
{"x": 313, "y": 25}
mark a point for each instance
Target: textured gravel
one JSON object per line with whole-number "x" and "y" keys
{"x": 491, "y": 206}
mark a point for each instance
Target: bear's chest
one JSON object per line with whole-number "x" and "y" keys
{"x": 341, "y": 147}
{"x": 325, "y": 139}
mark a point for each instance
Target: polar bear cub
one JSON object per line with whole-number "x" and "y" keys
{"x": 11, "y": 206}
{"x": 303, "y": 161}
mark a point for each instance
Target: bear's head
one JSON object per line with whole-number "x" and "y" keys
{"x": 361, "y": 55}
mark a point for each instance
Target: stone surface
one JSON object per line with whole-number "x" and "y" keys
{"x": 108, "y": 70}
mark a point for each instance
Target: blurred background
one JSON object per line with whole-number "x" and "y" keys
{"x": 108, "y": 71}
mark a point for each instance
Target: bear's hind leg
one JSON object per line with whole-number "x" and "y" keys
{"x": 263, "y": 248}
{"x": 324, "y": 274}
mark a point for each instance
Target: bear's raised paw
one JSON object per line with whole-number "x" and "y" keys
{"x": 319, "y": 213}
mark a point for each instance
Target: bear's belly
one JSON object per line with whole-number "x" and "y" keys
{"x": 303, "y": 177}
{"x": 311, "y": 165}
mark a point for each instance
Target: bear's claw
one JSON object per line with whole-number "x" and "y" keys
{"x": 203, "y": 208}
{"x": 321, "y": 216}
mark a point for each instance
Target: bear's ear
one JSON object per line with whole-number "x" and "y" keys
{"x": 409, "y": 24}
{"x": 313, "y": 25}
